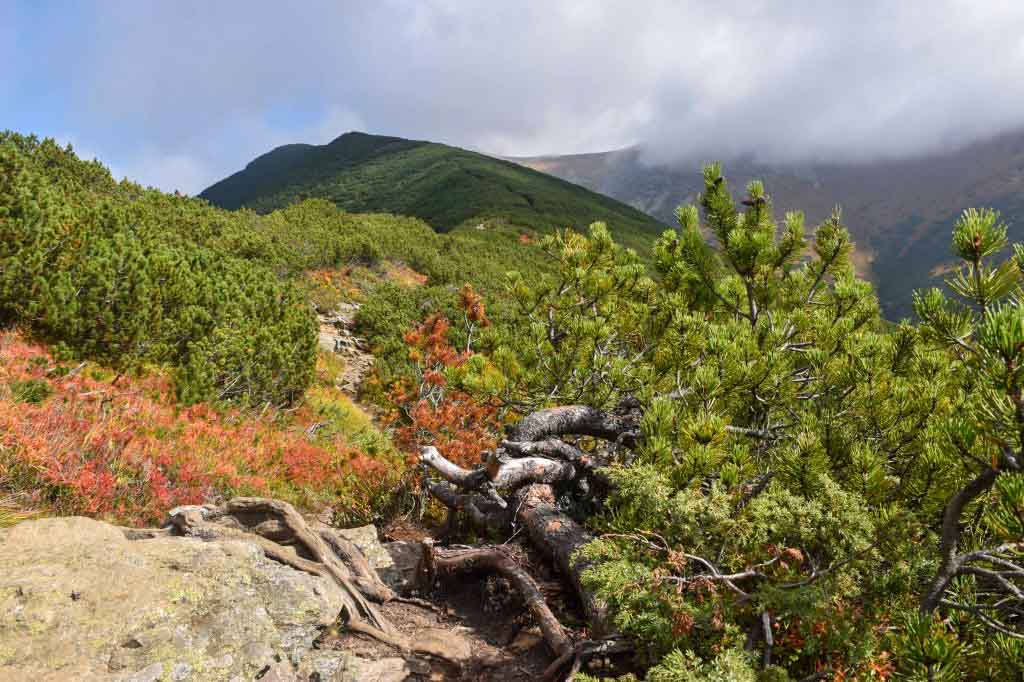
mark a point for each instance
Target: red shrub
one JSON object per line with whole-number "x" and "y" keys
{"x": 126, "y": 451}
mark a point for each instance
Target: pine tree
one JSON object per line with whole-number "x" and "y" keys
{"x": 784, "y": 457}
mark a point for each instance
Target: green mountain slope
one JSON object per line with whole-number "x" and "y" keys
{"x": 445, "y": 186}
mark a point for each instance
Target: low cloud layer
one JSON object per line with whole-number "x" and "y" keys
{"x": 180, "y": 94}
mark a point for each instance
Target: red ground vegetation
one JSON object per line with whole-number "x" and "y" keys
{"x": 75, "y": 441}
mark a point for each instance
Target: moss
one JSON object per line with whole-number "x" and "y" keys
{"x": 8, "y": 655}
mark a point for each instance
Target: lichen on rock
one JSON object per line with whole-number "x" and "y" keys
{"x": 78, "y": 600}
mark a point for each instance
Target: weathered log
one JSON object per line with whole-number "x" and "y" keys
{"x": 552, "y": 448}
{"x": 558, "y": 536}
{"x": 482, "y": 511}
{"x": 506, "y": 474}
{"x": 590, "y": 463}
{"x": 620, "y": 426}
{"x": 467, "y": 479}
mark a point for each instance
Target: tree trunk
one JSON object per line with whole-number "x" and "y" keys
{"x": 559, "y": 537}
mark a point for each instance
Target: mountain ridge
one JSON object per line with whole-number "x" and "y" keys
{"x": 445, "y": 186}
{"x": 899, "y": 212}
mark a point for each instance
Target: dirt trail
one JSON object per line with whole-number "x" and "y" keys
{"x": 336, "y": 336}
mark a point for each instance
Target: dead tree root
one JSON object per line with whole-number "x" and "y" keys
{"x": 285, "y": 536}
{"x": 581, "y": 653}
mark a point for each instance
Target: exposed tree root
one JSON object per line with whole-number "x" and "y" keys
{"x": 515, "y": 486}
{"x": 438, "y": 562}
{"x": 584, "y": 651}
{"x": 284, "y": 536}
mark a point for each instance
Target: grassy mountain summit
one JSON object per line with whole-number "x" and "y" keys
{"x": 445, "y": 186}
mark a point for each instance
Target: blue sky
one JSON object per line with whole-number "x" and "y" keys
{"x": 179, "y": 94}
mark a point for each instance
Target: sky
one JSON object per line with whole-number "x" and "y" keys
{"x": 180, "y": 94}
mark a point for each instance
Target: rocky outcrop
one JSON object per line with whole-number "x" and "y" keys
{"x": 78, "y": 600}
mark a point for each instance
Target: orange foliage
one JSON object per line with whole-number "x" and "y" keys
{"x": 460, "y": 426}
{"x": 429, "y": 347}
{"x": 473, "y": 306}
{"x": 128, "y": 452}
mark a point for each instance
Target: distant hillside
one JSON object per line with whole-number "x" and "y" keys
{"x": 443, "y": 185}
{"x": 899, "y": 212}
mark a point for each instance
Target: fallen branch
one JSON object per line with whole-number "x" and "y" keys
{"x": 554, "y": 448}
{"x": 560, "y": 538}
{"x": 483, "y": 511}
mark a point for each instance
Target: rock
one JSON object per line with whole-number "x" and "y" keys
{"x": 335, "y": 336}
{"x": 526, "y": 640}
{"x": 445, "y": 644}
{"x": 151, "y": 673}
{"x": 80, "y": 601}
{"x": 396, "y": 562}
{"x": 338, "y": 666}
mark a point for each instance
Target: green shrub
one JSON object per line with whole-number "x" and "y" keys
{"x": 809, "y": 485}
{"x": 129, "y": 276}
{"x": 31, "y": 391}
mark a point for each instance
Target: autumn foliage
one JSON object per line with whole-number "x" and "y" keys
{"x": 428, "y": 410}
{"x": 80, "y": 443}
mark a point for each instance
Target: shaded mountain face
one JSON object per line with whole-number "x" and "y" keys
{"x": 900, "y": 213}
{"x": 445, "y": 186}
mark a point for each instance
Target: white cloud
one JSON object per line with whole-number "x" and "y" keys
{"x": 194, "y": 83}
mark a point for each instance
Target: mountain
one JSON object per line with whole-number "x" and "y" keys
{"x": 445, "y": 186}
{"x": 900, "y": 213}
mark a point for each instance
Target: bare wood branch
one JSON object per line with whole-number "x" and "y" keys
{"x": 576, "y": 420}
{"x": 511, "y": 474}
{"x": 483, "y": 511}
{"x": 951, "y": 563}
